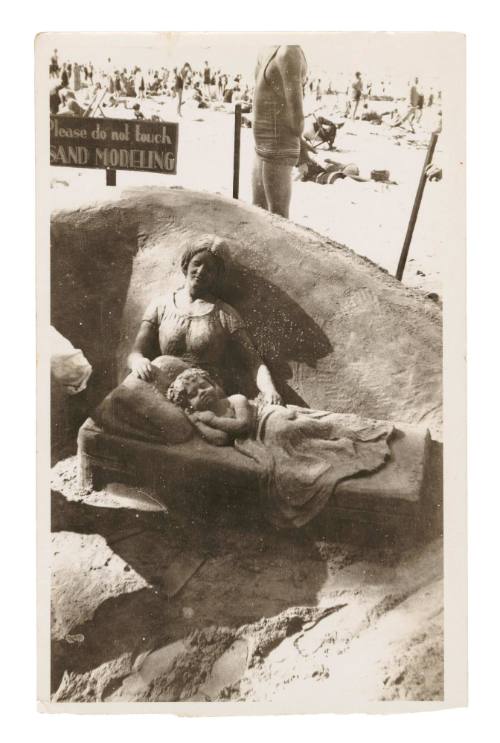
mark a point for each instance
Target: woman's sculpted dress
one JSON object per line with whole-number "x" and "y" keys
{"x": 200, "y": 340}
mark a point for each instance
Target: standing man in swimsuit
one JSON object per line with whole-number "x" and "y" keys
{"x": 278, "y": 124}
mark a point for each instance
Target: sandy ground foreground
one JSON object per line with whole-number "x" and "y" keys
{"x": 157, "y": 605}
{"x": 265, "y": 616}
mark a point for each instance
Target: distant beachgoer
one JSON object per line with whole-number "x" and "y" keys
{"x": 64, "y": 76}
{"x": 76, "y": 77}
{"x": 414, "y": 99}
{"x": 180, "y": 79}
{"x": 433, "y": 172}
{"x": 357, "y": 91}
{"x": 54, "y": 65}
{"x": 278, "y": 124}
{"x": 420, "y": 108}
{"x": 207, "y": 78}
{"x": 55, "y": 98}
{"x": 198, "y": 96}
{"x": 322, "y": 130}
{"x": 319, "y": 92}
{"x": 137, "y": 111}
{"x": 327, "y": 172}
{"x": 71, "y": 107}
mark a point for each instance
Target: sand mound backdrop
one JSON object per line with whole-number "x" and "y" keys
{"x": 337, "y": 332}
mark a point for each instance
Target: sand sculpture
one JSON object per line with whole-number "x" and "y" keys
{"x": 337, "y": 332}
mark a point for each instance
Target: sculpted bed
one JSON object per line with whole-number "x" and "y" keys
{"x": 336, "y": 332}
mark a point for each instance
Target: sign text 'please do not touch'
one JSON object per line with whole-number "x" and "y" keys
{"x": 120, "y": 144}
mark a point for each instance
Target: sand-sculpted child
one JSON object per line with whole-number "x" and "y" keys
{"x": 219, "y": 419}
{"x": 302, "y": 453}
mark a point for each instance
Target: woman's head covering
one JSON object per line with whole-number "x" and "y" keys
{"x": 177, "y": 392}
{"x": 209, "y": 244}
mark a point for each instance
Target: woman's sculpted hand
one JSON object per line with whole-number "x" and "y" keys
{"x": 141, "y": 366}
{"x": 272, "y": 397}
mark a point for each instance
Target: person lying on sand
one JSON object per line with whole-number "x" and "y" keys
{"x": 70, "y": 107}
{"x": 312, "y": 169}
{"x": 433, "y": 172}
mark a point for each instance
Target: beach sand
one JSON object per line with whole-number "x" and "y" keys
{"x": 370, "y": 218}
{"x": 264, "y": 617}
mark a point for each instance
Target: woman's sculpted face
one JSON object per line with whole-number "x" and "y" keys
{"x": 202, "y": 271}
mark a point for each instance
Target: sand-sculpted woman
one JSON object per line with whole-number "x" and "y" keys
{"x": 191, "y": 326}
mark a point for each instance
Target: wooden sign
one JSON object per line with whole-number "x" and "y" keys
{"x": 116, "y": 144}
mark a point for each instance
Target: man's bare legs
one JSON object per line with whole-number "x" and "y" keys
{"x": 272, "y": 186}
{"x": 258, "y": 192}
{"x": 410, "y": 117}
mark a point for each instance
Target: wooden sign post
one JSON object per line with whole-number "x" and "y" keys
{"x": 110, "y": 177}
{"x": 236, "y": 158}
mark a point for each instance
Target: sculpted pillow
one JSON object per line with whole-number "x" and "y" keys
{"x": 139, "y": 410}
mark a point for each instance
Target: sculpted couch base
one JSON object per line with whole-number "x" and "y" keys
{"x": 394, "y": 498}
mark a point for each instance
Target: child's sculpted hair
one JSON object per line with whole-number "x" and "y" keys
{"x": 177, "y": 392}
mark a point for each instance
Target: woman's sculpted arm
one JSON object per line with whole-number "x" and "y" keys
{"x": 139, "y": 360}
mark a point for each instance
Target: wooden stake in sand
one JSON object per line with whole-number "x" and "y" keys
{"x": 110, "y": 177}
{"x": 236, "y": 161}
{"x": 416, "y": 207}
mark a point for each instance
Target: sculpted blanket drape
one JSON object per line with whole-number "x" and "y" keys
{"x": 304, "y": 454}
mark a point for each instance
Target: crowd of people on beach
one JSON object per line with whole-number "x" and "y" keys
{"x": 289, "y": 134}
{"x": 216, "y": 88}
{"x": 205, "y": 87}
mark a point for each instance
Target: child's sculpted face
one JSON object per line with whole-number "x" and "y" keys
{"x": 201, "y": 393}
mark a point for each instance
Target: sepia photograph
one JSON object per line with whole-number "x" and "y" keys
{"x": 251, "y": 266}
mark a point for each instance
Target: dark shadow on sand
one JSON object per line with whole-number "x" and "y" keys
{"x": 149, "y": 542}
